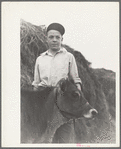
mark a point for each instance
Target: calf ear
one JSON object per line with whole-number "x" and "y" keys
{"x": 63, "y": 86}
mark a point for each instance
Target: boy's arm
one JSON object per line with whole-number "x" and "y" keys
{"x": 36, "y": 75}
{"x": 74, "y": 72}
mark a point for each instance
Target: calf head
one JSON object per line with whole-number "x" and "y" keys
{"x": 71, "y": 101}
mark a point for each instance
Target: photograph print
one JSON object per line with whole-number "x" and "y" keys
{"x": 68, "y": 74}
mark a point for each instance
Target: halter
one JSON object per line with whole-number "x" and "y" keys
{"x": 55, "y": 99}
{"x": 74, "y": 122}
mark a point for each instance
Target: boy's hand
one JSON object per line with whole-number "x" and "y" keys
{"x": 78, "y": 86}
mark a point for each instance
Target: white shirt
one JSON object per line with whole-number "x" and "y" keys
{"x": 50, "y": 69}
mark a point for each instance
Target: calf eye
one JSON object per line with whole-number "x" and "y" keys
{"x": 75, "y": 95}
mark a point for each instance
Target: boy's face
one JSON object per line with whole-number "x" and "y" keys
{"x": 54, "y": 39}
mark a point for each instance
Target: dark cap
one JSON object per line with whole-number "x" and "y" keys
{"x": 56, "y": 26}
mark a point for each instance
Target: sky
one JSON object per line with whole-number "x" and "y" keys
{"x": 91, "y": 27}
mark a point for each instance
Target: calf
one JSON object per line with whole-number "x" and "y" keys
{"x": 42, "y": 112}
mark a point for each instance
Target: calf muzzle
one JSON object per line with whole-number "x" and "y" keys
{"x": 91, "y": 113}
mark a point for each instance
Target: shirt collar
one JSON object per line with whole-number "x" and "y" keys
{"x": 62, "y": 50}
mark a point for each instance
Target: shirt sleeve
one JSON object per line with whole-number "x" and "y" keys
{"x": 74, "y": 71}
{"x": 36, "y": 74}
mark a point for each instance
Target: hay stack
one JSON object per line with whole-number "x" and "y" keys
{"x": 33, "y": 42}
{"x": 107, "y": 80}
